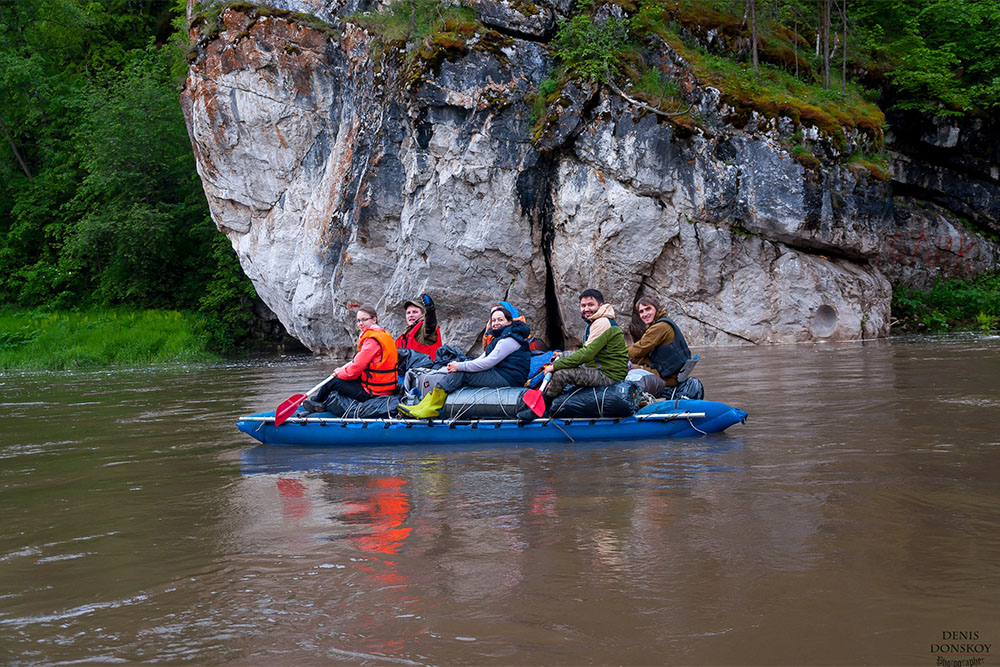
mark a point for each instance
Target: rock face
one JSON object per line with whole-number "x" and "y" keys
{"x": 343, "y": 177}
{"x": 954, "y": 163}
{"x": 945, "y": 171}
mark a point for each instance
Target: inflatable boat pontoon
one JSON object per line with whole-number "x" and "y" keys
{"x": 665, "y": 419}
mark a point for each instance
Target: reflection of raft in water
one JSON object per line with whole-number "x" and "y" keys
{"x": 665, "y": 419}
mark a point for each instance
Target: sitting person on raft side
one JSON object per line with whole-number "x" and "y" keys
{"x": 505, "y": 363}
{"x": 535, "y": 344}
{"x": 662, "y": 351}
{"x": 372, "y": 371}
{"x": 603, "y": 359}
{"x": 422, "y": 333}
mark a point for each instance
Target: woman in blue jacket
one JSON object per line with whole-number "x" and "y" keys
{"x": 506, "y": 362}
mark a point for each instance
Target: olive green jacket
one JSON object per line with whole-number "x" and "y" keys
{"x": 606, "y": 353}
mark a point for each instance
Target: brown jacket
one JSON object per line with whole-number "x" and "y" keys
{"x": 658, "y": 333}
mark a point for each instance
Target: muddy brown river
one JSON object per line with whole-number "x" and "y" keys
{"x": 854, "y": 519}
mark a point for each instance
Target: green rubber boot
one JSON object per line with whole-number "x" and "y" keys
{"x": 429, "y": 407}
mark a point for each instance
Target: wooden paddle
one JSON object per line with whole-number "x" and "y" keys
{"x": 292, "y": 403}
{"x": 534, "y": 398}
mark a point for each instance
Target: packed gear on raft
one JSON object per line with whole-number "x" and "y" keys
{"x": 505, "y": 362}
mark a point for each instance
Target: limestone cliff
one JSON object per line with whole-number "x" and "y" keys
{"x": 342, "y": 176}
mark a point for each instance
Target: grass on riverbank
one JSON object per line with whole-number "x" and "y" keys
{"x": 39, "y": 340}
{"x": 949, "y": 305}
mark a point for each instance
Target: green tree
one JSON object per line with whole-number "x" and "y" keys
{"x": 591, "y": 47}
{"x": 139, "y": 202}
{"x": 100, "y": 203}
{"x": 943, "y": 55}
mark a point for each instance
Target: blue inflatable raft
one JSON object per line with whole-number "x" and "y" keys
{"x": 666, "y": 419}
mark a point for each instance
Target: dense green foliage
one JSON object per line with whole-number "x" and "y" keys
{"x": 626, "y": 53}
{"x": 950, "y": 304}
{"x": 98, "y": 338}
{"x": 942, "y": 56}
{"x": 938, "y": 56}
{"x": 100, "y": 203}
{"x": 412, "y": 22}
{"x": 592, "y": 48}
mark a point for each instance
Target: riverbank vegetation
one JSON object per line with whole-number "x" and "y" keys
{"x": 949, "y": 305}
{"x": 933, "y": 56}
{"x": 100, "y": 203}
{"x": 99, "y": 338}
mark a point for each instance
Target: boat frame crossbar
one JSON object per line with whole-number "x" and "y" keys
{"x": 474, "y": 423}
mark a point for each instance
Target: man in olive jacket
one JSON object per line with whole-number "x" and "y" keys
{"x": 603, "y": 359}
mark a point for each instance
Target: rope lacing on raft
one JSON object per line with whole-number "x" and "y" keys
{"x": 482, "y": 392}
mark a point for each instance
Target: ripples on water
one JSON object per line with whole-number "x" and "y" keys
{"x": 851, "y": 520}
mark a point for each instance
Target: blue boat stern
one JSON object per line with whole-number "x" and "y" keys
{"x": 255, "y": 429}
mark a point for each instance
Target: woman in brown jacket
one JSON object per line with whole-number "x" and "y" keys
{"x": 662, "y": 349}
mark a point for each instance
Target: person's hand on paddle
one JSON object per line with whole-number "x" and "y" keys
{"x": 547, "y": 368}
{"x": 452, "y": 367}
{"x": 428, "y": 301}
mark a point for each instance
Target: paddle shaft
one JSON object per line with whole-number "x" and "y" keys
{"x": 322, "y": 382}
{"x": 292, "y": 403}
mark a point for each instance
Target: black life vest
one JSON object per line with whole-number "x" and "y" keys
{"x": 668, "y": 359}
{"x": 515, "y": 366}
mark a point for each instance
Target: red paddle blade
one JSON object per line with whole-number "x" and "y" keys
{"x": 535, "y": 401}
{"x": 535, "y": 398}
{"x": 288, "y": 408}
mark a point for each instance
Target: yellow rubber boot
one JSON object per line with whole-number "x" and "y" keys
{"x": 429, "y": 406}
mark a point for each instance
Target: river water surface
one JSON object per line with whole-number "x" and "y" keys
{"x": 852, "y": 520}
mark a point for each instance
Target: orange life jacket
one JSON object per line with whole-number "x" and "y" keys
{"x": 409, "y": 341}
{"x": 379, "y": 377}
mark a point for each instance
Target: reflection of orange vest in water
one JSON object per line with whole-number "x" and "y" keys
{"x": 388, "y": 509}
{"x": 379, "y": 377}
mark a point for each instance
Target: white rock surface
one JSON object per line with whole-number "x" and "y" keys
{"x": 339, "y": 185}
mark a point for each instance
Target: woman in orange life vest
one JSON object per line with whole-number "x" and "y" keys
{"x": 422, "y": 333}
{"x": 372, "y": 371}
